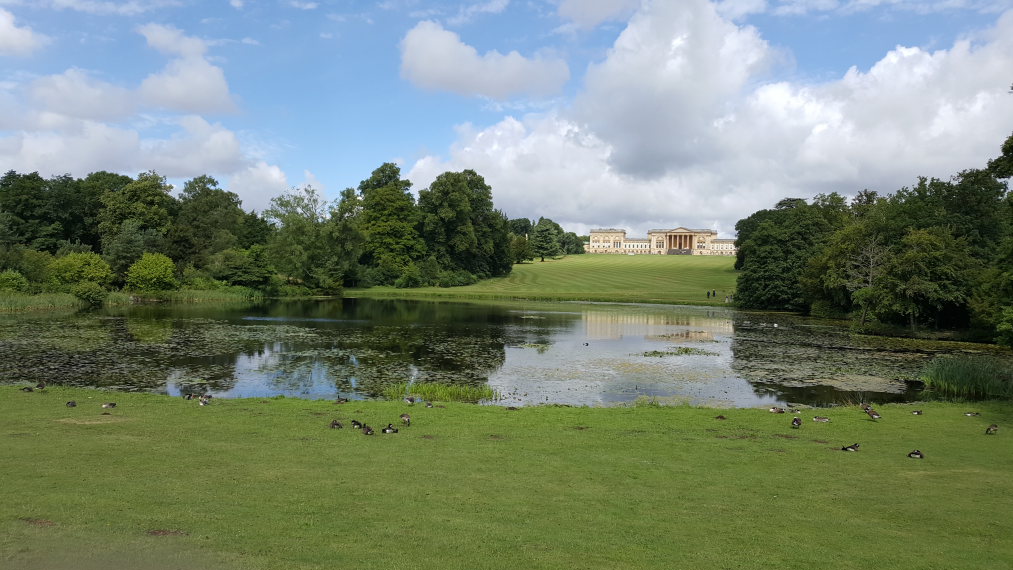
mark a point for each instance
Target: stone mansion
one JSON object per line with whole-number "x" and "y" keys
{"x": 679, "y": 241}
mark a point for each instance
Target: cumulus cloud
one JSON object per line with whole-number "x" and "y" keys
{"x": 434, "y": 58}
{"x": 129, "y": 8}
{"x": 257, "y": 184}
{"x": 676, "y": 126}
{"x": 467, "y": 13}
{"x": 189, "y": 83}
{"x": 15, "y": 40}
{"x": 75, "y": 94}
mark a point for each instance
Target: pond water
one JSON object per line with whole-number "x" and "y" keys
{"x": 534, "y": 353}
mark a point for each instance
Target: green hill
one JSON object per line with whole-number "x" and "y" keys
{"x": 674, "y": 279}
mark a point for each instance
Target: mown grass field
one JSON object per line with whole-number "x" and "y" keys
{"x": 163, "y": 483}
{"x": 673, "y": 279}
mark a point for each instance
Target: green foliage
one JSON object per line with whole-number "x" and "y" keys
{"x": 969, "y": 377}
{"x": 205, "y": 224}
{"x": 302, "y": 247}
{"x": 389, "y": 220}
{"x": 1004, "y": 328}
{"x": 245, "y": 267}
{"x": 520, "y": 249}
{"x": 458, "y": 278}
{"x": 152, "y": 272}
{"x": 11, "y": 280}
{"x": 146, "y": 200}
{"x": 75, "y": 268}
{"x": 14, "y": 302}
{"x": 440, "y": 392}
{"x": 90, "y": 292}
{"x": 545, "y": 239}
{"x": 123, "y": 248}
{"x": 411, "y": 277}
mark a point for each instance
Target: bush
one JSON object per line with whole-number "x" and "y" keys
{"x": 410, "y": 278}
{"x": 11, "y": 280}
{"x": 152, "y": 272}
{"x": 75, "y": 268}
{"x": 1004, "y": 330}
{"x": 458, "y": 278}
{"x": 90, "y": 292}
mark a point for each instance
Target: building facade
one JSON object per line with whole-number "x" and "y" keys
{"x": 678, "y": 241}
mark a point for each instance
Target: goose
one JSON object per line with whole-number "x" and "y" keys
{"x": 852, "y": 447}
{"x": 41, "y": 385}
{"x": 366, "y": 430}
{"x": 335, "y": 424}
{"x": 429, "y": 404}
{"x": 796, "y": 423}
{"x": 188, "y": 396}
{"x": 341, "y": 401}
{"x": 990, "y": 430}
{"x": 721, "y": 417}
{"x": 409, "y": 400}
{"x": 916, "y": 413}
{"x": 356, "y": 424}
{"x": 873, "y": 414}
{"x": 971, "y": 414}
{"x": 205, "y": 399}
{"x": 28, "y": 389}
{"x": 822, "y": 419}
{"x": 109, "y": 405}
{"x": 389, "y": 429}
{"x": 72, "y": 404}
{"x": 916, "y": 455}
{"x": 776, "y": 410}
{"x": 406, "y": 420}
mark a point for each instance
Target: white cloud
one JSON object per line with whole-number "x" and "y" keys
{"x": 590, "y": 13}
{"x": 303, "y": 5}
{"x": 434, "y": 58}
{"x": 15, "y": 40}
{"x": 129, "y": 8}
{"x": 467, "y": 13}
{"x": 659, "y": 138}
{"x": 188, "y": 83}
{"x": 257, "y": 184}
{"x": 74, "y": 94}
{"x": 237, "y": 4}
{"x": 738, "y": 9}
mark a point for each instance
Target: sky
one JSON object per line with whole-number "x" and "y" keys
{"x": 595, "y": 113}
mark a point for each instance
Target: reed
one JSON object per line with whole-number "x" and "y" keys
{"x": 14, "y": 302}
{"x": 202, "y": 295}
{"x": 440, "y": 392}
{"x": 969, "y": 377}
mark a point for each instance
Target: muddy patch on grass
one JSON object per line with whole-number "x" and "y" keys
{"x": 820, "y": 441}
{"x": 104, "y": 419}
{"x": 496, "y": 436}
{"x": 37, "y": 522}
{"x": 427, "y": 436}
{"x": 580, "y": 428}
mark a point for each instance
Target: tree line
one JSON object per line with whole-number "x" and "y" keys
{"x": 88, "y": 235}
{"x": 938, "y": 254}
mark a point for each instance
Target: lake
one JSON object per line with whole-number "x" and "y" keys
{"x": 531, "y": 353}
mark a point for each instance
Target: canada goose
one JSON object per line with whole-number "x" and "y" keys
{"x": 188, "y": 396}
{"x": 356, "y": 424}
{"x": 406, "y": 420}
{"x": 720, "y": 417}
{"x": 776, "y": 410}
{"x": 990, "y": 430}
{"x": 389, "y": 429}
{"x": 109, "y": 405}
{"x": 873, "y": 414}
{"x": 852, "y": 447}
{"x": 823, "y": 419}
{"x": 72, "y": 404}
{"x": 429, "y": 404}
{"x": 366, "y": 430}
{"x": 865, "y": 407}
{"x": 335, "y": 424}
{"x": 205, "y": 399}
{"x": 28, "y": 389}
{"x": 916, "y": 413}
{"x": 970, "y": 414}
{"x": 796, "y": 423}
{"x": 341, "y": 401}
{"x": 41, "y": 385}
{"x": 916, "y": 455}
{"x": 409, "y": 400}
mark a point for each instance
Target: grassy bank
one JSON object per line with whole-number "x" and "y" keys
{"x": 672, "y": 279}
{"x": 263, "y": 483}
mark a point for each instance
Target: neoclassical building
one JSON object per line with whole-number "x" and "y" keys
{"x": 678, "y": 241}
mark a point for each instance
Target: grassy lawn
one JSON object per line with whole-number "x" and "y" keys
{"x": 263, "y": 483}
{"x": 673, "y": 279}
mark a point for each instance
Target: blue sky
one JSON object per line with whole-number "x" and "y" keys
{"x": 616, "y": 113}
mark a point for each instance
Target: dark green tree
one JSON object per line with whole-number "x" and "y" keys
{"x": 205, "y": 224}
{"x": 146, "y": 200}
{"x": 545, "y": 239}
{"x": 389, "y": 222}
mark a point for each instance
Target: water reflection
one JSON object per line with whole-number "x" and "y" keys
{"x": 582, "y": 354}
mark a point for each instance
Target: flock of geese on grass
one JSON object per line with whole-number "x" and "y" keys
{"x": 406, "y": 420}
{"x": 796, "y": 423}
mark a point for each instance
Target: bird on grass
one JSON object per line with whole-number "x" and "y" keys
{"x": 990, "y": 430}
{"x": 971, "y": 414}
{"x": 822, "y": 419}
{"x": 109, "y": 405}
{"x": 406, "y": 420}
{"x": 916, "y": 412}
{"x": 356, "y": 424}
{"x": 852, "y": 447}
{"x": 409, "y": 400}
{"x": 796, "y": 423}
{"x": 429, "y": 404}
{"x": 389, "y": 429}
{"x": 776, "y": 410}
{"x": 189, "y": 396}
{"x": 916, "y": 455}
{"x": 72, "y": 404}
{"x": 341, "y": 401}
{"x": 205, "y": 399}
{"x": 721, "y": 417}
{"x": 873, "y": 414}
{"x": 366, "y": 430}
{"x": 335, "y": 424}
{"x": 41, "y": 385}
{"x": 28, "y": 389}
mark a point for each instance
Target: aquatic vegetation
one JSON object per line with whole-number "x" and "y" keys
{"x": 13, "y": 301}
{"x": 439, "y": 392}
{"x": 970, "y": 377}
{"x": 681, "y": 351}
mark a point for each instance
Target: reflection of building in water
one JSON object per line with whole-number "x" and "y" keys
{"x": 608, "y": 324}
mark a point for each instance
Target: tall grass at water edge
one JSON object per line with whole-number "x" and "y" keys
{"x": 14, "y": 302}
{"x": 439, "y": 392}
{"x": 970, "y": 377}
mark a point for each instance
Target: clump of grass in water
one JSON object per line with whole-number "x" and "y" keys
{"x": 968, "y": 377}
{"x": 439, "y": 392}
{"x": 680, "y": 351}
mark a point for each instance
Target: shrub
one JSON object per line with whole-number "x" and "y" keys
{"x": 969, "y": 377}
{"x": 410, "y": 278}
{"x": 11, "y": 280}
{"x": 90, "y": 292}
{"x": 152, "y": 272}
{"x": 458, "y": 278}
{"x": 1004, "y": 330}
{"x": 75, "y": 268}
